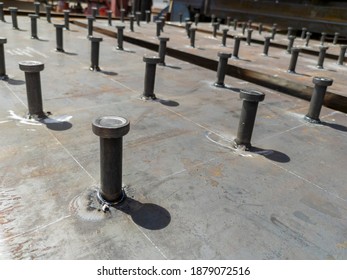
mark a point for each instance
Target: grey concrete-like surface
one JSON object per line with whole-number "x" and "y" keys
{"x": 190, "y": 195}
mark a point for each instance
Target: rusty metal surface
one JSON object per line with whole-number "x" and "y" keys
{"x": 287, "y": 200}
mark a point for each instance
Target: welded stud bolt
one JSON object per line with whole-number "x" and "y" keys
{"x": 222, "y": 65}
{"x": 59, "y": 36}
{"x": 236, "y": 47}
{"x": 321, "y": 57}
{"x": 228, "y": 21}
{"x": 158, "y": 23}
{"x": 251, "y": 99}
{"x": 303, "y": 32}
{"x": 111, "y": 130}
{"x": 260, "y": 28}
{"x": 192, "y": 36}
{"x": 290, "y": 32}
{"x": 293, "y": 60}
{"x": 151, "y": 66}
{"x": 244, "y": 26}
{"x": 273, "y": 32}
{"x": 3, "y": 75}
{"x": 342, "y": 54}
{"x": 37, "y": 8}
{"x": 249, "y": 36}
{"x": 13, "y": 11}
{"x": 188, "y": 26}
{"x": 235, "y": 24}
{"x": 162, "y": 49}
{"x": 196, "y": 19}
{"x": 317, "y": 98}
{"x": 148, "y": 16}
{"x": 213, "y": 18}
{"x": 33, "y": 19}
{"x": 94, "y": 11}
{"x": 181, "y": 18}
{"x": 2, "y": 18}
{"x": 336, "y": 38}
{"x": 90, "y": 25}
{"x": 131, "y": 18}
{"x": 291, "y": 39}
{"x": 322, "y": 38}
{"x": 162, "y": 23}
{"x": 224, "y": 38}
{"x": 32, "y": 71}
{"x": 249, "y": 24}
{"x": 120, "y": 37}
{"x": 122, "y": 14}
{"x": 66, "y": 19}
{"x": 95, "y": 50}
{"x": 219, "y": 20}
{"x": 138, "y": 18}
{"x": 308, "y": 37}
{"x": 109, "y": 17}
{"x": 214, "y": 32}
{"x": 48, "y": 13}
{"x": 267, "y": 40}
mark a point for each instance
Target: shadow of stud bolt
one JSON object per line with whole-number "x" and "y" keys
{"x": 95, "y": 50}
{"x": 48, "y": 13}
{"x": 120, "y": 36}
{"x": 110, "y": 130}
{"x": 222, "y": 65}
{"x": 342, "y": 54}
{"x": 321, "y": 57}
{"x": 32, "y": 71}
{"x": 151, "y": 66}
{"x": 2, "y": 18}
{"x": 3, "y": 75}
{"x": 317, "y": 98}
{"x": 13, "y": 11}
{"x": 293, "y": 59}
{"x": 162, "y": 49}
{"x": 33, "y": 19}
{"x": 250, "y": 98}
{"x": 59, "y": 36}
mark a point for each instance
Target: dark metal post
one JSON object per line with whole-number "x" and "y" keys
{"x": 3, "y": 75}
{"x": 236, "y": 47}
{"x": 196, "y": 19}
{"x": 181, "y": 18}
{"x": 188, "y": 25}
{"x": 214, "y": 32}
{"x": 290, "y": 32}
{"x": 293, "y": 60}
{"x": 48, "y": 13}
{"x": 111, "y": 130}
{"x": 95, "y": 50}
{"x": 250, "y": 98}
{"x": 342, "y": 54}
{"x": 336, "y": 38}
{"x": 192, "y": 36}
{"x": 2, "y": 18}
{"x": 131, "y": 19}
{"x": 13, "y": 11}
{"x": 291, "y": 39}
{"x": 158, "y": 24}
{"x": 122, "y": 14}
{"x": 228, "y": 21}
{"x": 120, "y": 31}
{"x": 317, "y": 98}
{"x": 219, "y": 20}
{"x": 162, "y": 49}
{"x": 303, "y": 32}
{"x": 244, "y": 26}
{"x": 308, "y": 37}
{"x": 59, "y": 36}
{"x": 322, "y": 52}
{"x": 249, "y": 36}
{"x": 222, "y": 65}
{"x": 109, "y": 17}
{"x": 162, "y": 23}
{"x": 66, "y": 19}
{"x": 94, "y": 12}
{"x": 267, "y": 40}
{"x": 273, "y": 32}
{"x": 235, "y": 23}
{"x": 249, "y": 24}
{"x": 148, "y": 16}
{"x": 37, "y": 8}
{"x": 33, "y": 19}
{"x": 90, "y": 25}
{"x": 213, "y": 18}
{"x": 151, "y": 66}
{"x": 32, "y": 71}
{"x": 260, "y": 28}
{"x": 224, "y": 38}
{"x": 322, "y": 38}
{"x": 138, "y": 18}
